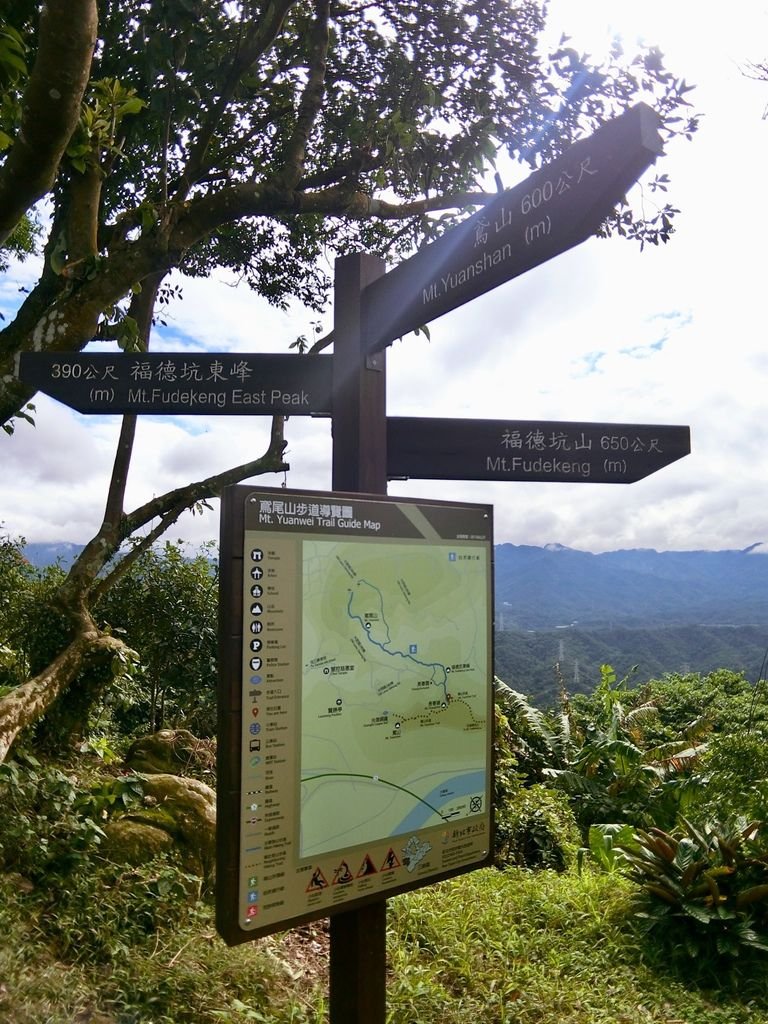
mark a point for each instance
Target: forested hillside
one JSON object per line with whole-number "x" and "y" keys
{"x": 562, "y": 613}
{"x": 535, "y": 663}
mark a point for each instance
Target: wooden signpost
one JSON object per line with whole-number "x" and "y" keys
{"x": 554, "y": 209}
{"x": 557, "y": 207}
{"x": 541, "y": 451}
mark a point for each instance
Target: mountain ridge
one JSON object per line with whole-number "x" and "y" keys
{"x": 542, "y": 588}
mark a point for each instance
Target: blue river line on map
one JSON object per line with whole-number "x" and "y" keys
{"x": 367, "y": 628}
{"x": 460, "y": 785}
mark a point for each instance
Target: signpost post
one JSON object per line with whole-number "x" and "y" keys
{"x": 358, "y": 953}
{"x": 554, "y": 209}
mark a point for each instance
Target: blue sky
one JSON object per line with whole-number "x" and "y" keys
{"x": 673, "y": 335}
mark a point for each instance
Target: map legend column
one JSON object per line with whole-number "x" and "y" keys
{"x": 269, "y": 680}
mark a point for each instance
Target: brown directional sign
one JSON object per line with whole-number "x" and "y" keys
{"x": 530, "y": 450}
{"x": 556, "y": 208}
{"x": 186, "y": 384}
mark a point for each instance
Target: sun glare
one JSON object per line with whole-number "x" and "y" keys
{"x": 682, "y": 29}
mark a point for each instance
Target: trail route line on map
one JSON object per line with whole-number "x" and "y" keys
{"x": 395, "y": 680}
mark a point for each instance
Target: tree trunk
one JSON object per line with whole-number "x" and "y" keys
{"x": 26, "y": 704}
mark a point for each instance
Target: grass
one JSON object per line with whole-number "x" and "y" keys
{"x": 491, "y": 947}
{"x": 524, "y": 948}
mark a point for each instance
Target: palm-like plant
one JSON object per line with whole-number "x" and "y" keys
{"x": 603, "y": 762}
{"x": 705, "y": 886}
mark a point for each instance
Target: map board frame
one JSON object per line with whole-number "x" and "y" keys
{"x": 260, "y": 803}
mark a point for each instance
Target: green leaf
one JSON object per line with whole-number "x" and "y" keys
{"x": 698, "y": 912}
{"x": 131, "y": 106}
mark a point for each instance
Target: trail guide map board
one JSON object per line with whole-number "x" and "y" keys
{"x": 356, "y": 701}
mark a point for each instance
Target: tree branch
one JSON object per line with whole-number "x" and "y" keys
{"x": 105, "y": 583}
{"x": 259, "y": 40}
{"x": 270, "y": 462}
{"x": 243, "y": 199}
{"x": 141, "y": 309}
{"x": 348, "y": 169}
{"x": 311, "y": 99}
{"x": 361, "y": 206}
{"x": 50, "y": 106}
{"x": 26, "y": 704}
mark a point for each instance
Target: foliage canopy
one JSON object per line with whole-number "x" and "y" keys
{"x": 264, "y": 135}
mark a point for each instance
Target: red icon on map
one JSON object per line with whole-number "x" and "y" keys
{"x": 390, "y": 861}
{"x": 317, "y": 882}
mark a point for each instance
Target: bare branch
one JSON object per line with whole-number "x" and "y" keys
{"x": 321, "y": 343}
{"x": 105, "y": 583}
{"x": 242, "y": 199}
{"x": 361, "y": 206}
{"x": 345, "y": 170}
{"x": 141, "y": 309}
{"x": 270, "y": 462}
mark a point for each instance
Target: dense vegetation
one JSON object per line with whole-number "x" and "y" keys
{"x": 632, "y": 852}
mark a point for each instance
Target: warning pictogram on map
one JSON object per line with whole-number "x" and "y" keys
{"x": 317, "y": 882}
{"x": 366, "y": 868}
{"x": 390, "y": 861}
{"x": 342, "y": 874}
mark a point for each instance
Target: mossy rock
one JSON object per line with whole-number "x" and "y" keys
{"x": 171, "y": 751}
{"x": 134, "y": 842}
{"x": 178, "y": 814}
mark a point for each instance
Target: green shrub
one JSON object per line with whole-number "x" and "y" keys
{"x": 604, "y": 847}
{"x": 104, "y": 913}
{"x": 534, "y": 826}
{"x": 42, "y": 831}
{"x": 536, "y": 829}
{"x": 734, "y": 777}
{"x": 705, "y": 889}
{"x": 729, "y": 701}
{"x": 88, "y": 909}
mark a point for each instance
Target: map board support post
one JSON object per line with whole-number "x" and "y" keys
{"x": 358, "y": 958}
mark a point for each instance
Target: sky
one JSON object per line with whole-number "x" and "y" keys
{"x": 603, "y": 333}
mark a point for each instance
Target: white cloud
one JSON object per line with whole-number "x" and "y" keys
{"x": 602, "y": 333}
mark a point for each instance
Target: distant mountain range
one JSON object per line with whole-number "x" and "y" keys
{"x": 543, "y": 588}
{"x": 554, "y": 586}
{"x": 41, "y": 555}
{"x": 561, "y": 613}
